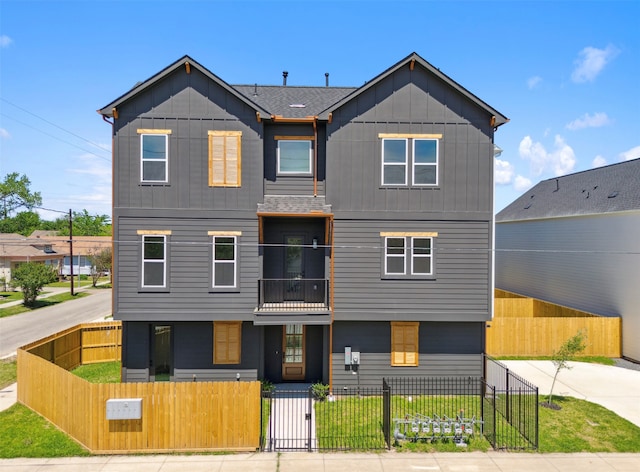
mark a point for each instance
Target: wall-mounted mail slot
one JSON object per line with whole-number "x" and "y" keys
{"x": 124, "y": 409}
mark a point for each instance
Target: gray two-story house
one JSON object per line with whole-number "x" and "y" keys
{"x": 334, "y": 234}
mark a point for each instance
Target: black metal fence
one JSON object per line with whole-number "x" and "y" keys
{"x": 512, "y": 404}
{"x": 427, "y": 409}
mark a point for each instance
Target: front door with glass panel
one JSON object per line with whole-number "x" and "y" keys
{"x": 293, "y": 268}
{"x": 293, "y": 350}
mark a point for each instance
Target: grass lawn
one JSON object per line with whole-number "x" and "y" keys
{"x": 590, "y": 359}
{"x": 85, "y": 282}
{"x": 49, "y": 301}
{"x": 27, "y": 434}
{"x": 6, "y": 297}
{"x": 103, "y": 372}
{"x": 8, "y": 372}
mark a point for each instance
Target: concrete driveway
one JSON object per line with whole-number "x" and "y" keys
{"x": 615, "y": 388}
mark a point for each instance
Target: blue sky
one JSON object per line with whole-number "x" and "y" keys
{"x": 567, "y": 74}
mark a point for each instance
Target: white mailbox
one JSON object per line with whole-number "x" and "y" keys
{"x": 124, "y": 409}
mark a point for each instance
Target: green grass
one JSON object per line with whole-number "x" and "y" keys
{"x": 83, "y": 282}
{"x": 6, "y": 297}
{"x": 103, "y": 372}
{"x": 27, "y": 434}
{"x": 581, "y": 426}
{"x": 49, "y": 301}
{"x": 8, "y": 372}
{"x": 590, "y": 359}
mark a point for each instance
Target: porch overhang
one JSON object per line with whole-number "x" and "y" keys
{"x": 299, "y": 205}
{"x": 281, "y": 318}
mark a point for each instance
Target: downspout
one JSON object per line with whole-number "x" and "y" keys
{"x": 315, "y": 156}
{"x": 331, "y": 303}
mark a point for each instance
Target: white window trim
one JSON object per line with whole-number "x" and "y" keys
{"x": 429, "y": 256}
{"x": 234, "y": 262}
{"x": 280, "y": 172}
{"x": 387, "y": 256}
{"x": 166, "y": 159}
{"x": 414, "y": 164}
{"x": 405, "y": 164}
{"x": 155, "y": 261}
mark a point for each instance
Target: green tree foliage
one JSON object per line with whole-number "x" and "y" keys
{"x": 24, "y": 223}
{"x": 569, "y": 349}
{"x": 31, "y": 277}
{"x": 15, "y": 193}
{"x": 85, "y": 224}
{"x": 100, "y": 263}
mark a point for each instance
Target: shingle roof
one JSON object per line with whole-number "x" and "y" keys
{"x": 602, "y": 190}
{"x": 279, "y": 99}
{"x": 293, "y": 205}
{"x": 18, "y": 247}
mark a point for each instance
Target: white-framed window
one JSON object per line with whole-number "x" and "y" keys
{"x": 395, "y": 256}
{"x": 154, "y": 260}
{"x": 408, "y": 255}
{"x": 225, "y": 261}
{"x": 394, "y": 161}
{"x": 295, "y": 157}
{"x": 425, "y": 162}
{"x": 410, "y": 160}
{"x": 154, "y": 157}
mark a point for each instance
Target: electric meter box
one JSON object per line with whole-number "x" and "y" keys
{"x": 124, "y": 409}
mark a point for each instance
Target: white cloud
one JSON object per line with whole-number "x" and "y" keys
{"x": 598, "y": 161}
{"x": 589, "y": 121}
{"x": 533, "y": 82}
{"x": 560, "y": 161}
{"x": 4, "y": 134}
{"x": 591, "y": 61}
{"x": 503, "y": 172}
{"x": 522, "y": 183}
{"x": 5, "y": 41}
{"x": 632, "y": 153}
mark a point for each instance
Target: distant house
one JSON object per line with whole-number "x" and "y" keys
{"x": 316, "y": 233}
{"x": 16, "y": 249}
{"x": 575, "y": 241}
{"x": 83, "y": 248}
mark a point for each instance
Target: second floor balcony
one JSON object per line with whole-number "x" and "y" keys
{"x": 296, "y": 295}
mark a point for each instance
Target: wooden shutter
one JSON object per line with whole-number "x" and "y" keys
{"x": 225, "y": 158}
{"x": 227, "y": 341}
{"x": 404, "y": 343}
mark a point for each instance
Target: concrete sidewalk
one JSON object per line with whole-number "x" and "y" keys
{"x": 334, "y": 462}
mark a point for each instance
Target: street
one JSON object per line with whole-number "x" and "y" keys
{"x": 18, "y": 330}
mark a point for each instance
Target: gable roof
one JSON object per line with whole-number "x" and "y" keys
{"x": 273, "y": 100}
{"x": 606, "y": 189}
{"x": 20, "y": 248}
{"x": 411, "y": 60}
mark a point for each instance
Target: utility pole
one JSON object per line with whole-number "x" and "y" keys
{"x": 71, "y": 249}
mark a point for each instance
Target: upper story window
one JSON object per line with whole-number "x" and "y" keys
{"x": 225, "y": 158}
{"x": 409, "y": 159}
{"x": 154, "y": 258}
{"x": 295, "y": 157}
{"x": 224, "y": 261}
{"x": 408, "y": 255}
{"x": 154, "y": 155}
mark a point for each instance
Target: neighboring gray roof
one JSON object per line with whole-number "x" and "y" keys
{"x": 278, "y": 99}
{"x": 293, "y": 205}
{"x": 602, "y": 190}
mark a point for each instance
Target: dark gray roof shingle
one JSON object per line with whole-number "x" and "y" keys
{"x": 602, "y": 190}
{"x": 278, "y": 99}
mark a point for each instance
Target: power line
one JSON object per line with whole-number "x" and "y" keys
{"x": 53, "y": 124}
{"x": 55, "y": 137}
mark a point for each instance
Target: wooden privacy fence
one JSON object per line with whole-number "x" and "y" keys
{"x": 189, "y": 416}
{"x": 524, "y": 326}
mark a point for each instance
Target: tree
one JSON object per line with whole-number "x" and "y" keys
{"x": 100, "y": 263}
{"x": 15, "y": 193}
{"x": 31, "y": 277}
{"x": 24, "y": 223}
{"x": 85, "y": 224}
{"x": 571, "y": 347}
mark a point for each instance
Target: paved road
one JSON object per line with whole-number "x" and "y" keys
{"x": 18, "y": 330}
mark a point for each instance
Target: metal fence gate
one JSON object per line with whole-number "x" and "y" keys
{"x": 289, "y": 419}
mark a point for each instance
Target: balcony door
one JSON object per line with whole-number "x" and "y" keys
{"x": 293, "y": 350}
{"x": 293, "y": 267}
